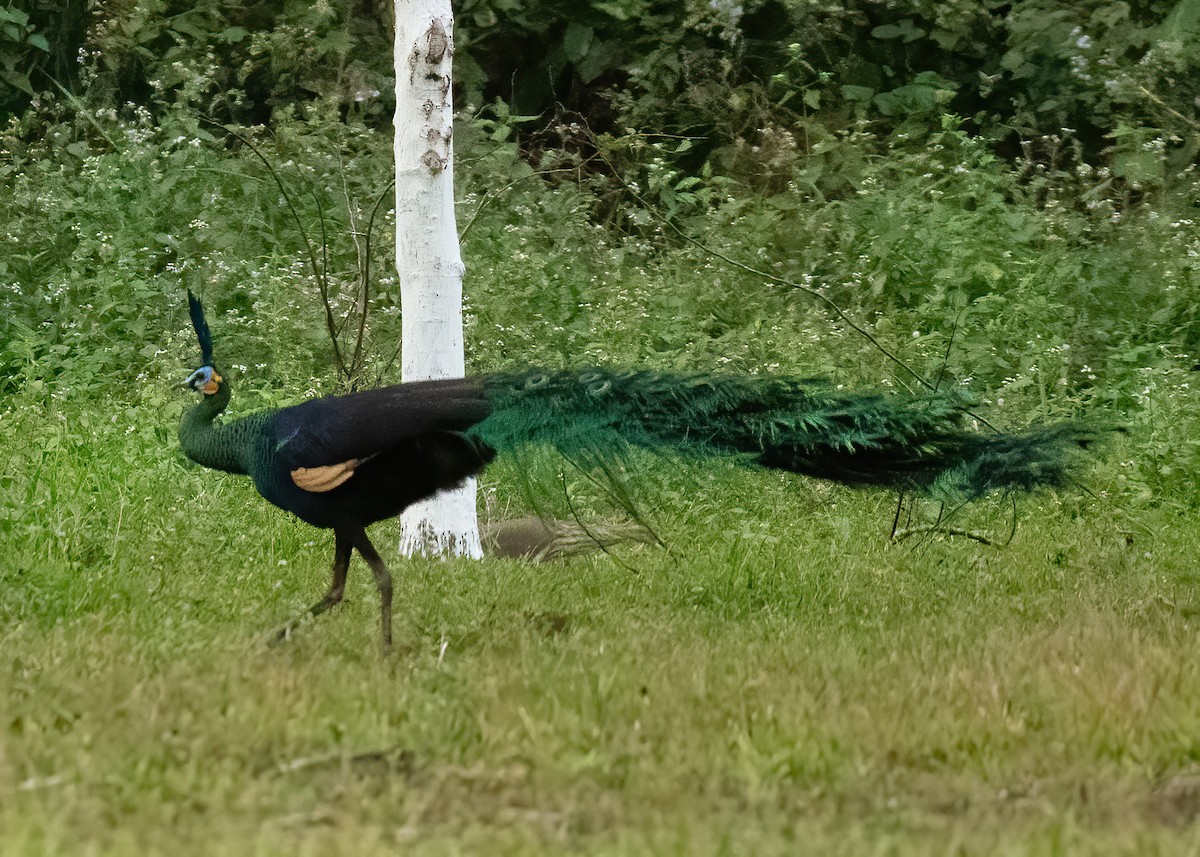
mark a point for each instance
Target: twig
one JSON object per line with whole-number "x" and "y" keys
{"x": 578, "y": 520}
{"x": 355, "y": 235}
{"x": 1192, "y": 123}
{"x": 318, "y": 274}
{"x": 323, "y": 286}
{"x": 492, "y": 195}
{"x": 37, "y": 783}
{"x": 1012, "y": 530}
{"x": 896, "y": 517}
{"x": 949, "y": 345}
{"x": 902, "y": 534}
{"x": 366, "y": 274}
{"x": 303, "y": 762}
{"x": 81, "y": 110}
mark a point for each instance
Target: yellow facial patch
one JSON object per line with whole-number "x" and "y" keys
{"x": 212, "y": 385}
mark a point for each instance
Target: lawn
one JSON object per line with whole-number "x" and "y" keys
{"x": 782, "y": 677}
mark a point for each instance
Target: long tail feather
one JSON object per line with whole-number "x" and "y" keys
{"x": 800, "y": 425}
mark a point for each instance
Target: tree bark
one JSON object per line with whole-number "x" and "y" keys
{"x": 427, "y": 253}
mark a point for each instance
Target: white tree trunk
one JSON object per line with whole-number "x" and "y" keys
{"x": 427, "y": 254}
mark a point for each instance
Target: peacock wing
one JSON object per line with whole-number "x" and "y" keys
{"x": 329, "y": 436}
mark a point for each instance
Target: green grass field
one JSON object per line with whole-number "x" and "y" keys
{"x": 781, "y": 679}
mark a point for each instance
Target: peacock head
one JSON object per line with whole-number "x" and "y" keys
{"x": 206, "y": 379}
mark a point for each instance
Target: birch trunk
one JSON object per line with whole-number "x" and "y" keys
{"x": 427, "y": 254}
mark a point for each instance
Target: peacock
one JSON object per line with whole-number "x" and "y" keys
{"x": 346, "y": 462}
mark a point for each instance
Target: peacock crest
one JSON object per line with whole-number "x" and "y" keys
{"x": 206, "y": 379}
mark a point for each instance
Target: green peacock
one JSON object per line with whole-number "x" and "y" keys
{"x": 346, "y": 462}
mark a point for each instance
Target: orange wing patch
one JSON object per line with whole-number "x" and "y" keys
{"x": 324, "y": 478}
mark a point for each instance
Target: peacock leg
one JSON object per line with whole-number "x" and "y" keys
{"x": 383, "y": 579}
{"x": 343, "y": 544}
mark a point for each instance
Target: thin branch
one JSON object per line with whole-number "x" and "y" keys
{"x": 358, "y": 249}
{"x": 366, "y": 274}
{"x": 1191, "y": 123}
{"x": 323, "y": 287}
{"x": 81, "y": 110}
{"x": 492, "y": 195}
{"x": 949, "y": 345}
{"x": 1013, "y": 530}
{"x": 896, "y": 517}
{"x": 900, "y": 535}
{"x": 339, "y": 757}
{"x": 287, "y": 198}
{"x": 622, "y": 498}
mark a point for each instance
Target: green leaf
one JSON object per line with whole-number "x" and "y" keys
{"x": 38, "y": 41}
{"x": 1183, "y": 22}
{"x": 812, "y": 97}
{"x": 182, "y": 25}
{"x": 17, "y": 80}
{"x": 17, "y": 16}
{"x": 233, "y": 35}
{"x": 905, "y": 30}
{"x": 576, "y": 41}
{"x": 947, "y": 40}
{"x": 1138, "y": 166}
{"x": 615, "y": 8}
{"x": 1012, "y": 60}
{"x": 857, "y": 93}
{"x": 989, "y": 271}
{"x": 1110, "y": 15}
{"x": 601, "y": 57}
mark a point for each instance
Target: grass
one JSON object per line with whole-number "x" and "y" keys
{"x": 781, "y": 679}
